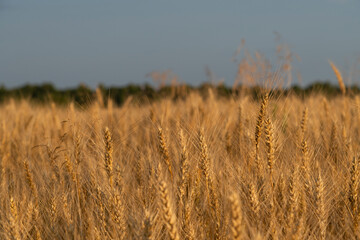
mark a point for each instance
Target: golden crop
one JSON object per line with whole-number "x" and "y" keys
{"x": 202, "y": 167}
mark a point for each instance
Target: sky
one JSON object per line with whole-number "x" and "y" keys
{"x": 118, "y": 42}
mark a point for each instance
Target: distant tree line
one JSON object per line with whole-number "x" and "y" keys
{"x": 83, "y": 95}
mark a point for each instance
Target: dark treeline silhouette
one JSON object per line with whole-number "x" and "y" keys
{"x": 83, "y": 95}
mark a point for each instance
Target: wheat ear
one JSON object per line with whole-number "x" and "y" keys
{"x": 320, "y": 207}
{"x": 236, "y": 217}
{"x": 212, "y": 194}
{"x": 108, "y": 159}
{"x": 269, "y": 141}
{"x": 168, "y": 211}
{"x": 30, "y": 182}
{"x": 338, "y": 77}
{"x": 164, "y": 151}
{"x": 258, "y": 129}
{"x": 14, "y": 219}
{"x": 354, "y": 184}
{"x": 303, "y": 124}
{"x": 118, "y": 215}
{"x": 148, "y": 226}
{"x": 184, "y": 168}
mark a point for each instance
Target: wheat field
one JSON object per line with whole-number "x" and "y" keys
{"x": 201, "y": 167}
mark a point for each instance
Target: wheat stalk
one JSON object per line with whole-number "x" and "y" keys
{"x": 168, "y": 211}
{"x": 258, "y": 129}
{"x": 69, "y": 168}
{"x": 99, "y": 98}
{"x": 240, "y": 128}
{"x": 236, "y": 217}
{"x": 254, "y": 200}
{"x": 148, "y": 226}
{"x": 30, "y": 182}
{"x": 320, "y": 207}
{"x": 269, "y": 141}
{"x": 293, "y": 199}
{"x": 14, "y": 230}
{"x": 164, "y": 151}
{"x": 338, "y": 77}
{"x": 354, "y": 185}
{"x": 108, "y": 159}
{"x": 184, "y": 169}
{"x": 118, "y": 215}
{"x": 212, "y": 194}
{"x": 303, "y": 124}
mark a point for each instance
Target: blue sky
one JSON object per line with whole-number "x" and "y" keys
{"x": 117, "y": 42}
